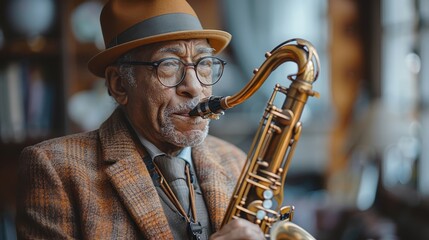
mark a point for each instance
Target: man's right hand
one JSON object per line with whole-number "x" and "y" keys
{"x": 239, "y": 229}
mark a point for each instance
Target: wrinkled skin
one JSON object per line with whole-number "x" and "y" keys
{"x": 159, "y": 113}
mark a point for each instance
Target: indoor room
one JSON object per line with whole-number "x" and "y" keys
{"x": 344, "y": 137}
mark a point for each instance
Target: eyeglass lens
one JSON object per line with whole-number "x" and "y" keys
{"x": 172, "y": 71}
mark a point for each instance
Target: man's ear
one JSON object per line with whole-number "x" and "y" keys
{"x": 116, "y": 85}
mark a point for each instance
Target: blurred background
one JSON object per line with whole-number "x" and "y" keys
{"x": 360, "y": 168}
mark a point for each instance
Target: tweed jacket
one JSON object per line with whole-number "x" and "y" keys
{"x": 95, "y": 185}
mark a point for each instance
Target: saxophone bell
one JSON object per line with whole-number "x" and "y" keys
{"x": 287, "y": 230}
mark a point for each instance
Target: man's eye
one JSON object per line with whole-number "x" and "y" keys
{"x": 206, "y": 63}
{"x": 170, "y": 63}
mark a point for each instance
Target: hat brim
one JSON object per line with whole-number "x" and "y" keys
{"x": 216, "y": 38}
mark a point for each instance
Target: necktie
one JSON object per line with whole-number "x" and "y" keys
{"x": 173, "y": 171}
{"x": 176, "y": 173}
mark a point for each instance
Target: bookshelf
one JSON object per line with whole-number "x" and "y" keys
{"x": 31, "y": 90}
{"x": 39, "y": 73}
{"x": 31, "y": 85}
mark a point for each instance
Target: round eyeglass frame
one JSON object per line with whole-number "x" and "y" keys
{"x": 156, "y": 64}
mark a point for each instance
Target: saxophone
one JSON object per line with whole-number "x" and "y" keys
{"x": 258, "y": 194}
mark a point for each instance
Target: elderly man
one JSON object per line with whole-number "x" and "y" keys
{"x": 150, "y": 170}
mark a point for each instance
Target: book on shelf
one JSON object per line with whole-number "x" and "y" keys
{"x": 27, "y": 101}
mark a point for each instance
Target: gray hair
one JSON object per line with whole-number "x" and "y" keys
{"x": 127, "y": 72}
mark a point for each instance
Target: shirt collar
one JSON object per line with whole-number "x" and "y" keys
{"x": 153, "y": 151}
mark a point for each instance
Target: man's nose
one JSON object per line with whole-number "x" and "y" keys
{"x": 190, "y": 86}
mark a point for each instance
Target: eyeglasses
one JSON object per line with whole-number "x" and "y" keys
{"x": 171, "y": 71}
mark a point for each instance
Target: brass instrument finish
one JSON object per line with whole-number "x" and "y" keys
{"x": 258, "y": 195}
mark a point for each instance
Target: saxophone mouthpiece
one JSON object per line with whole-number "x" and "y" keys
{"x": 209, "y": 108}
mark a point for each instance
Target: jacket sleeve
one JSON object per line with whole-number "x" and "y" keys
{"x": 44, "y": 209}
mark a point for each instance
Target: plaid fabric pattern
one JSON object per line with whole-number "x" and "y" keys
{"x": 95, "y": 185}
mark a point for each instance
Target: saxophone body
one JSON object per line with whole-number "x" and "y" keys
{"x": 258, "y": 195}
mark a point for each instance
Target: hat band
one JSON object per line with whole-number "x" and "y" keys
{"x": 162, "y": 24}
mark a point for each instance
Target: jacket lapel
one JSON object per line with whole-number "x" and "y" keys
{"x": 216, "y": 184}
{"x": 129, "y": 176}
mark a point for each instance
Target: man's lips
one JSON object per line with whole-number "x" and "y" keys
{"x": 184, "y": 116}
{"x": 184, "y": 113}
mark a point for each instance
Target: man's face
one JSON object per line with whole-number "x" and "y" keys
{"x": 160, "y": 113}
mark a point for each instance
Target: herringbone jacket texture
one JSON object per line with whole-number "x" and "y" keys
{"x": 95, "y": 185}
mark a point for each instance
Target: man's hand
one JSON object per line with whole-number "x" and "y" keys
{"x": 239, "y": 229}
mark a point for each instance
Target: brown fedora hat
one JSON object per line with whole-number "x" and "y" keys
{"x": 127, "y": 24}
